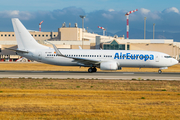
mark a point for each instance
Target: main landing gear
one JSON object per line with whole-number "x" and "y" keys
{"x": 159, "y": 71}
{"x": 90, "y": 70}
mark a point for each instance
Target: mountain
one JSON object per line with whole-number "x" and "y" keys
{"x": 139, "y": 34}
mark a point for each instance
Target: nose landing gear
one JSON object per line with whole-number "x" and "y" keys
{"x": 162, "y": 68}
{"x": 159, "y": 71}
{"x": 90, "y": 70}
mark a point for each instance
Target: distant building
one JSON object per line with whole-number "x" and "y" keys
{"x": 71, "y": 38}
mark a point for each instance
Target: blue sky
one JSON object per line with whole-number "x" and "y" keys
{"x": 106, "y": 13}
{"x": 87, "y": 5}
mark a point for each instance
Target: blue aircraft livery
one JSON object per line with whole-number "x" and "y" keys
{"x": 129, "y": 56}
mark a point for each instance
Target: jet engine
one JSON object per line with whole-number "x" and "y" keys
{"x": 110, "y": 65}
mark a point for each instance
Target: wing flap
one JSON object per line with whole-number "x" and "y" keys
{"x": 86, "y": 61}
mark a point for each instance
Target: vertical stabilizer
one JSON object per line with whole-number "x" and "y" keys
{"x": 24, "y": 39}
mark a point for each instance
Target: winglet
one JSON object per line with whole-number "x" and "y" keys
{"x": 55, "y": 48}
{"x": 80, "y": 48}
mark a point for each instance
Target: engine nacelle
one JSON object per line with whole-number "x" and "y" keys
{"x": 110, "y": 65}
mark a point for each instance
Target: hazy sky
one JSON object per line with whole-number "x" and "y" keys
{"x": 106, "y": 13}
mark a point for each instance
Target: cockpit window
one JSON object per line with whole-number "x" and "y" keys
{"x": 167, "y": 56}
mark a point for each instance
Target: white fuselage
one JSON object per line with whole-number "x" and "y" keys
{"x": 124, "y": 58}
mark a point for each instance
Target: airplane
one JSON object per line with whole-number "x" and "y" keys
{"x": 104, "y": 59}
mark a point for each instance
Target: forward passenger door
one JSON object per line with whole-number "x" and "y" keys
{"x": 157, "y": 58}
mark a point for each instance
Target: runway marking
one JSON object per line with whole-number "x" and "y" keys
{"x": 85, "y": 75}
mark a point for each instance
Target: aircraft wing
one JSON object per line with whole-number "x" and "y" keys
{"x": 79, "y": 60}
{"x": 86, "y": 61}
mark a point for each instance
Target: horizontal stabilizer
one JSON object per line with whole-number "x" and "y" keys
{"x": 17, "y": 50}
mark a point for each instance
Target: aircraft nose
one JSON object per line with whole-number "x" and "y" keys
{"x": 174, "y": 61}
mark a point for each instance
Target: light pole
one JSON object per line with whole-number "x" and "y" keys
{"x": 82, "y": 16}
{"x": 163, "y": 34}
{"x": 127, "y": 20}
{"x": 144, "y": 27}
{"x": 153, "y": 29}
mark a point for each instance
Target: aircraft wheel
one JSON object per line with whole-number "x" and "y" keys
{"x": 90, "y": 70}
{"x": 94, "y": 69}
{"x": 159, "y": 71}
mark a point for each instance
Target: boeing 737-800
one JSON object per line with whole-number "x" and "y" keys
{"x": 104, "y": 59}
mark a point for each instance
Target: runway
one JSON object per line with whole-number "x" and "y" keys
{"x": 86, "y": 75}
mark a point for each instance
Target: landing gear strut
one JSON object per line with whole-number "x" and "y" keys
{"x": 90, "y": 70}
{"x": 159, "y": 71}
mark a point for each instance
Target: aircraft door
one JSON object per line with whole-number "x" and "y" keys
{"x": 157, "y": 58}
{"x": 39, "y": 56}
